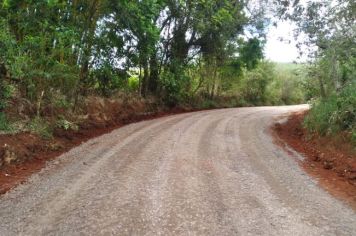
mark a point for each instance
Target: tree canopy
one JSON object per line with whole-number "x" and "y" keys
{"x": 175, "y": 51}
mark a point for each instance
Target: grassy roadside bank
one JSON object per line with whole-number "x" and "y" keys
{"x": 25, "y": 153}
{"x": 30, "y": 143}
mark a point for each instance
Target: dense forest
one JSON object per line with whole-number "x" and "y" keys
{"x": 54, "y": 54}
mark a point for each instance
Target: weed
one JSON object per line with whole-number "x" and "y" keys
{"x": 334, "y": 114}
{"x": 4, "y": 124}
{"x": 41, "y": 127}
{"x": 66, "y": 125}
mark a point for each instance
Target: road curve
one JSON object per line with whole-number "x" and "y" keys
{"x": 203, "y": 173}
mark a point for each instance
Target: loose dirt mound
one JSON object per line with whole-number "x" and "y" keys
{"x": 332, "y": 160}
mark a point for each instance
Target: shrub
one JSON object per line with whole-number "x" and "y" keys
{"x": 133, "y": 84}
{"x": 6, "y": 91}
{"x": 174, "y": 88}
{"x": 4, "y": 124}
{"x": 353, "y": 136}
{"x": 208, "y": 104}
{"x": 60, "y": 101}
{"x": 335, "y": 113}
{"x": 41, "y": 127}
{"x": 66, "y": 125}
{"x": 255, "y": 83}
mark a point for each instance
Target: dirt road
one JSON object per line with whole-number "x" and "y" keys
{"x": 203, "y": 173}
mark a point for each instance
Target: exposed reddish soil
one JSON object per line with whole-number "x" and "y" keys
{"x": 331, "y": 160}
{"x": 32, "y": 151}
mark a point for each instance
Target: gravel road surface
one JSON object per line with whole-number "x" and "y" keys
{"x": 203, "y": 173}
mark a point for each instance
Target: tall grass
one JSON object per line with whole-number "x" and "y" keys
{"x": 4, "y": 124}
{"x": 335, "y": 113}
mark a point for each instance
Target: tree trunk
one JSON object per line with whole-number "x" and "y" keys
{"x": 88, "y": 36}
{"x": 322, "y": 87}
{"x": 334, "y": 72}
{"x": 145, "y": 79}
{"x": 154, "y": 75}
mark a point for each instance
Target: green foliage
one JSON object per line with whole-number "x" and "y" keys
{"x": 57, "y": 52}
{"x": 208, "y": 104}
{"x": 251, "y": 53}
{"x": 173, "y": 88}
{"x": 353, "y": 136}
{"x": 66, "y": 125}
{"x": 335, "y": 113}
{"x": 255, "y": 82}
{"x": 327, "y": 29}
{"x": 9, "y": 58}
{"x": 202, "y": 51}
{"x": 38, "y": 47}
{"x": 41, "y": 127}
{"x": 4, "y": 124}
{"x": 267, "y": 84}
{"x": 287, "y": 85}
{"x": 108, "y": 80}
{"x": 133, "y": 84}
{"x": 6, "y": 91}
{"x": 61, "y": 101}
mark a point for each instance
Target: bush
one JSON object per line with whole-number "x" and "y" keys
{"x": 208, "y": 104}
{"x": 174, "y": 88}
{"x": 4, "y": 124}
{"x": 41, "y": 127}
{"x": 6, "y": 91}
{"x": 133, "y": 84}
{"x": 255, "y": 83}
{"x": 335, "y": 113}
{"x": 353, "y": 136}
{"x": 67, "y": 125}
{"x": 60, "y": 101}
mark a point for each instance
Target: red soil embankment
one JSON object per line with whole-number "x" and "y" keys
{"x": 331, "y": 160}
{"x": 23, "y": 154}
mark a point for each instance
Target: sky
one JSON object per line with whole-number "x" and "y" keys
{"x": 281, "y": 51}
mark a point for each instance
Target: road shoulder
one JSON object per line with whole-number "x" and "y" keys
{"x": 330, "y": 160}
